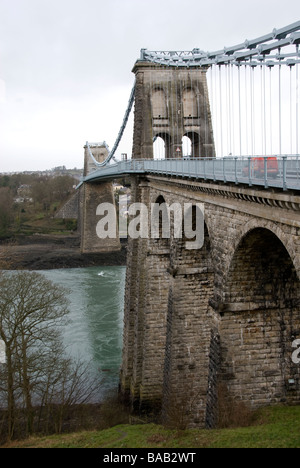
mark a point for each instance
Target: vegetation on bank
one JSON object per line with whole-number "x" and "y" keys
{"x": 272, "y": 427}
{"x": 41, "y": 387}
{"x": 29, "y": 202}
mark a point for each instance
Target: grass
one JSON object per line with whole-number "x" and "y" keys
{"x": 29, "y": 219}
{"x": 274, "y": 427}
{"x": 34, "y": 222}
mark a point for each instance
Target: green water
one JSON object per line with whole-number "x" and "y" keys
{"x": 96, "y": 318}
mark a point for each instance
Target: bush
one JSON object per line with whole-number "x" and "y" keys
{"x": 232, "y": 412}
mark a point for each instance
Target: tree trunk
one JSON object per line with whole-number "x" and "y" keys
{"x": 10, "y": 394}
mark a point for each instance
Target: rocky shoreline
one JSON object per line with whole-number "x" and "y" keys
{"x": 46, "y": 252}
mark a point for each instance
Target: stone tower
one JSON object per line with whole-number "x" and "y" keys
{"x": 171, "y": 103}
{"x": 100, "y": 152}
{"x": 92, "y": 196}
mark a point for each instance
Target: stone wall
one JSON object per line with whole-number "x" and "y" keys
{"x": 70, "y": 209}
{"x": 223, "y": 317}
{"x": 92, "y": 196}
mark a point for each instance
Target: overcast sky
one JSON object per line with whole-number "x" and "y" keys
{"x": 65, "y": 65}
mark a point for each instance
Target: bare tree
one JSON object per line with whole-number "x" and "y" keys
{"x": 46, "y": 190}
{"x": 68, "y": 385}
{"x": 38, "y": 380}
{"x": 31, "y": 311}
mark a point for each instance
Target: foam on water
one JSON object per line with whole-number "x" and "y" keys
{"x": 94, "y": 332}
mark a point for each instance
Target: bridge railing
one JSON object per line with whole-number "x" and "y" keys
{"x": 280, "y": 171}
{"x": 277, "y": 171}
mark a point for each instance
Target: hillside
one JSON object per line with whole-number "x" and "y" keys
{"x": 29, "y": 203}
{"x": 273, "y": 427}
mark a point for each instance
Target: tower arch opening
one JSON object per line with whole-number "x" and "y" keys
{"x": 191, "y": 145}
{"x": 161, "y": 146}
{"x": 186, "y": 147}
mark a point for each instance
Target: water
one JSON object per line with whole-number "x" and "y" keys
{"x": 94, "y": 333}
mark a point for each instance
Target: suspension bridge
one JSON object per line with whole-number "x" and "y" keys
{"x": 253, "y": 106}
{"x": 216, "y": 132}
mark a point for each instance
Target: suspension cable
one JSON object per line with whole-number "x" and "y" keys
{"x": 264, "y": 110}
{"x": 280, "y": 108}
{"x": 221, "y": 110}
{"x": 246, "y": 109}
{"x": 240, "y": 113}
{"x": 271, "y": 110}
{"x": 252, "y": 110}
{"x": 291, "y": 107}
{"x": 233, "y": 108}
{"x": 297, "y": 102}
{"x": 120, "y": 134}
{"x": 246, "y": 52}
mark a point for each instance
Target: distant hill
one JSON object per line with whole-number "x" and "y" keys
{"x": 56, "y": 171}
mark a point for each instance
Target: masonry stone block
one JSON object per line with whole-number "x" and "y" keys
{"x": 94, "y": 195}
{"x": 222, "y": 318}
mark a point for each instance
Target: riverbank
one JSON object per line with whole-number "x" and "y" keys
{"x": 47, "y": 252}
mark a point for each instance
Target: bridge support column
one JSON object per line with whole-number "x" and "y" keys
{"x": 154, "y": 343}
{"x": 93, "y": 196}
{"x": 212, "y": 330}
{"x": 146, "y": 301}
{"x": 192, "y": 349}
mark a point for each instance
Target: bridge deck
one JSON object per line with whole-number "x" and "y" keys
{"x": 236, "y": 170}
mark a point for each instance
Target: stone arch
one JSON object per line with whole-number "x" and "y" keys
{"x": 268, "y": 225}
{"x": 264, "y": 261}
{"x": 260, "y": 319}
